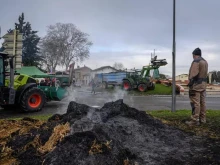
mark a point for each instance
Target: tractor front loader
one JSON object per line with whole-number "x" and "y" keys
{"x": 20, "y": 90}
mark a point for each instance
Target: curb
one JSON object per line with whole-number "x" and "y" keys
{"x": 207, "y": 96}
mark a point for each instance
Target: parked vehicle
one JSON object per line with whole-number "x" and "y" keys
{"x": 114, "y": 78}
{"x": 142, "y": 79}
{"x": 134, "y": 79}
{"x": 24, "y": 91}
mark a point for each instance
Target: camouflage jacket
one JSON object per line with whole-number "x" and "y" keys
{"x": 198, "y": 74}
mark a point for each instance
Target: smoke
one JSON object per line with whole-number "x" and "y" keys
{"x": 118, "y": 93}
{"x": 63, "y": 104}
{"x": 71, "y": 94}
{"x": 84, "y": 96}
{"x": 130, "y": 101}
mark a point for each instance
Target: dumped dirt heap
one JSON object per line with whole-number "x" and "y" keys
{"x": 113, "y": 135}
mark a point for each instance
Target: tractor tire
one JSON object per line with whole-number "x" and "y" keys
{"x": 33, "y": 100}
{"x": 142, "y": 87}
{"x": 126, "y": 85}
{"x": 151, "y": 87}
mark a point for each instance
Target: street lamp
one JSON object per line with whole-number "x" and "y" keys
{"x": 174, "y": 59}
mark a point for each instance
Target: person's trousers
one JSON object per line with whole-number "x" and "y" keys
{"x": 93, "y": 89}
{"x": 198, "y": 104}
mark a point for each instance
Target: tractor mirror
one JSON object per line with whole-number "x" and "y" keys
{"x": 11, "y": 63}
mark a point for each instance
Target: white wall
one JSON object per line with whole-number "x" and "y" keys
{"x": 87, "y": 79}
{"x": 182, "y": 77}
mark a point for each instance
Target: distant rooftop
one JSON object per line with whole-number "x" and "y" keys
{"x": 104, "y": 67}
{"x": 79, "y": 68}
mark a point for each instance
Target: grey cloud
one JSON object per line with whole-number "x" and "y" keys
{"x": 146, "y": 24}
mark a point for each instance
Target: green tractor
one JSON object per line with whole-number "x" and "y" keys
{"x": 23, "y": 91}
{"x": 142, "y": 79}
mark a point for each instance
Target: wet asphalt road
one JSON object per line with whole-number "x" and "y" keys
{"x": 84, "y": 96}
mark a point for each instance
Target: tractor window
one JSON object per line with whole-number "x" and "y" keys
{"x": 144, "y": 74}
{"x": 1, "y": 72}
{"x": 151, "y": 73}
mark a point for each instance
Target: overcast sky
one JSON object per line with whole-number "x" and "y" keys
{"x": 128, "y": 31}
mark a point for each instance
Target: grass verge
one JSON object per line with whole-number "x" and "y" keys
{"x": 178, "y": 118}
{"x": 159, "y": 90}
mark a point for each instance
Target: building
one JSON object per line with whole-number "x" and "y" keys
{"x": 182, "y": 77}
{"x": 82, "y": 75}
{"x": 86, "y": 78}
{"x": 104, "y": 69}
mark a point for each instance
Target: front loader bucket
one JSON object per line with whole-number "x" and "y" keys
{"x": 54, "y": 93}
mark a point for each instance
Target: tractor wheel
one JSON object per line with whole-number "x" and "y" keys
{"x": 126, "y": 85}
{"x": 142, "y": 87}
{"x": 33, "y": 100}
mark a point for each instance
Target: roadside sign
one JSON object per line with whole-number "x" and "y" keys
{"x": 10, "y": 37}
{"x": 13, "y": 46}
{"x": 10, "y": 51}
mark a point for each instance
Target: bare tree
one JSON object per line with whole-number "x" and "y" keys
{"x": 50, "y": 52}
{"x": 118, "y": 66}
{"x": 63, "y": 44}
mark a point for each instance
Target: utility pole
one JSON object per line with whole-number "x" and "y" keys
{"x": 174, "y": 59}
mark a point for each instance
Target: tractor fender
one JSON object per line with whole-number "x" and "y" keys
{"x": 130, "y": 80}
{"x": 143, "y": 82}
{"x": 21, "y": 90}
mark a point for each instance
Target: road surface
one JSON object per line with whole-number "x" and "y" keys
{"x": 142, "y": 103}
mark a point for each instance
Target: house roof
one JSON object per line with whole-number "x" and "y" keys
{"x": 83, "y": 68}
{"x": 104, "y": 67}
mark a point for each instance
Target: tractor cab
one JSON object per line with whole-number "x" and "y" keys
{"x": 134, "y": 74}
{"x": 3, "y": 67}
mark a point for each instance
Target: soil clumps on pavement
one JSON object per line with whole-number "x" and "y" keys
{"x": 116, "y": 134}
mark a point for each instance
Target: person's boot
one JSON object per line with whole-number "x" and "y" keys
{"x": 192, "y": 123}
{"x": 203, "y": 121}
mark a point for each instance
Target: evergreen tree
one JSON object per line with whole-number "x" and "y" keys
{"x": 30, "y": 52}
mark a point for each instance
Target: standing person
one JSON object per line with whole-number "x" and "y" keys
{"x": 93, "y": 86}
{"x": 197, "y": 88}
